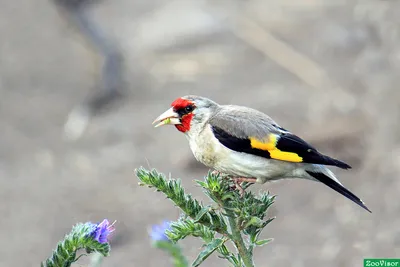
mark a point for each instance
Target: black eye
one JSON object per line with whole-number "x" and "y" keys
{"x": 189, "y": 108}
{"x": 185, "y": 110}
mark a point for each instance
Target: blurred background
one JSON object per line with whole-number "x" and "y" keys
{"x": 72, "y": 131}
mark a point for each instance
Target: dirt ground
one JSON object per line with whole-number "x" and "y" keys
{"x": 326, "y": 70}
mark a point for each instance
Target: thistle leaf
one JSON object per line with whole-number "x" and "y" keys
{"x": 207, "y": 251}
{"x": 201, "y": 213}
{"x": 264, "y": 242}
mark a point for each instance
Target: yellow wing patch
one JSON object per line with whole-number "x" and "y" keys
{"x": 286, "y": 156}
{"x": 270, "y": 146}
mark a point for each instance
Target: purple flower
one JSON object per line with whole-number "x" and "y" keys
{"x": 158, "y": 231}
{"x": 102, "y": 231}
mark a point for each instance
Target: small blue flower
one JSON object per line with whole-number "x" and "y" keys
{"x": 102, "y": 231}
{"x": 158, "y": 231}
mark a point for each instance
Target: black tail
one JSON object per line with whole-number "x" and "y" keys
{"x": 338, "y": 188}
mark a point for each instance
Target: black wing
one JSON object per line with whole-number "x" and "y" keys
{"x": 280, "y": 146}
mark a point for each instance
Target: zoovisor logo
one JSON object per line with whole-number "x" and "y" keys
{"x": 381, "y": 262}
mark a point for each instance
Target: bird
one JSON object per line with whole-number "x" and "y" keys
{"x": 248, "y": 145}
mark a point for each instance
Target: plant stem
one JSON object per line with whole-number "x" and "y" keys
{"x": 176, "y": 253}
{"x": 96, "y": 260}
{"x": 238, "y": 240}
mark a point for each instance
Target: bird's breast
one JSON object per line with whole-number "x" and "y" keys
{"x": 204, "y": 148}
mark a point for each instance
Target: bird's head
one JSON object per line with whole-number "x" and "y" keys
{"x": 186, "y": 112}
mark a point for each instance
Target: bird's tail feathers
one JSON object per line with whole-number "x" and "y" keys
{"x": 325, "y": 176}
{"x": 316, "y": 168}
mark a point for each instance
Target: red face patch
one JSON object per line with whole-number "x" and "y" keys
{"x": 181, "y": 103}
{"x": 186, "y": 119}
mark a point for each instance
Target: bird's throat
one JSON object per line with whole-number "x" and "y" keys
{"x": 185, "y": 123}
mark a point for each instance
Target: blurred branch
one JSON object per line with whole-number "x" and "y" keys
{"x": 77, "y": 14}
{"x": 287, "y": 57}
{"x": 303, "y": 67}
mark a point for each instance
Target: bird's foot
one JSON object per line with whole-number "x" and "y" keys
{"x": 238, "y": 180}
{"x": 214, "y": 172}
{"x": 221, "y": 174}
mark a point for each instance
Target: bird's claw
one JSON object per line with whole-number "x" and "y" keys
{"x": 221, "y": 174}
{"x": 237, "y": 182}
{"x": 238, "y": 187}
{"x": 214, "y": 172}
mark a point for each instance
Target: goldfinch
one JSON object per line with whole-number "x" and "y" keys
{"x": 248, "y": 145}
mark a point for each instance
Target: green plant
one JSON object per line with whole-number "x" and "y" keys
{"x": 231, "y": 217}
{"x": 91, "y": 237}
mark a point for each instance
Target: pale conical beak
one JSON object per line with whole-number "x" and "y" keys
{"x": 168, "y": 117}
